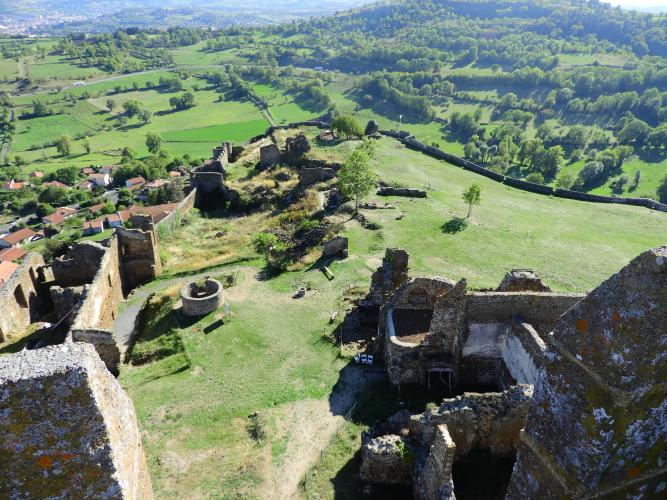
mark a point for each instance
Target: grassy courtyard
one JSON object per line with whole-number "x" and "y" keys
{"x": 247, "y": 406}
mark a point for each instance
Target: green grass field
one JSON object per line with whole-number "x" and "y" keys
{"x": 272, "y": 359}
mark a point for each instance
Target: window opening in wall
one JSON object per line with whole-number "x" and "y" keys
{"x": 110, "y": 282}
{"x": 20, "y": 297}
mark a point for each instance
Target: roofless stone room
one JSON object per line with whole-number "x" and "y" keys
{"x": 333, "y": 249}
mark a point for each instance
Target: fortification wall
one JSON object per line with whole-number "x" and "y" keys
{"x": 20, "y": 296}
{"x": 539, "y": 309}
{"x": 139, "y": 257}
{"x": 183, "y": 207}
{"x": 434, "y": 481}
{"x": 69, "y": 429}
{"x": 79, "y": 266}
{"x": 490, "y": 420}
{"x": 413, "y": 143}
{"x": 93, "y": 322}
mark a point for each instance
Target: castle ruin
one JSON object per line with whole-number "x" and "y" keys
{"x": 568, "y": 388}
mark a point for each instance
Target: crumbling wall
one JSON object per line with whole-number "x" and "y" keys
{"x": 269, "y": 156}
{"x": 598, "y": 425}
{"x": 101, "y": 298}
{"x": 386, "y": 460}
{"x": 139, "y": 257}
{"x": 21, "y": 296}
{"x": 541, "y": 310}
{"x": 522, "y": 280}
{"x": 434, "y": 481}
{"x": 523, "y": 352}
{"x": 489, "y": 420}
{"x": 312, "y": 175}
{"x": 68, "y": 428}
{"x": 79, "y": 265}
{"x": 65, "y": 299}
{"x": 207, "y": 185}
{"x": 183, "y": 207}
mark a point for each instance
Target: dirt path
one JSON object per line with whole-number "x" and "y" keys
{"x": 310, "y": 425}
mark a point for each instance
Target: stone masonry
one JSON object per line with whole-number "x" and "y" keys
{"x": 598, "y": 425}
{"x": 434, "y": 481}
{"x": 21, "y": 300}
{"x": 68, "y": 428}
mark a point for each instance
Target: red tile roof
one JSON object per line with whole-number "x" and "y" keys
{"x": 88, "y": 170}
{"x": 55, "y": 184}
{"x": 19, "y": 236}
{"x": 135, "y": 180}
{"x": 13, "y": 253}
{"x": 7, "y": 268}
{"x": 37, "y": 174}
{"x": 91, "y": 224}
{"x": 174, "y": 173}
{"x": 93, "y": 209}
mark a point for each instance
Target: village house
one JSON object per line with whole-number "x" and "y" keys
{"x": 12, "y": 254}
{"x": 87, "y": 170}
{"x": 175, "y": 173}
{"x": 19, "y": 237}
{"x": 114, "y": 220}
{"x": 109, "y": 169}
{"x": 93, "y": 227}
{"x": 13, "y": 185}
{"x": 55, "y": 184}
{"x": 96, "y": 209}
{"x": 86, "y": 185}
{"x": 59, "y": 216}
{"x": 135, "y": 183}
{"x": 36, "y": 174}
{"x": 100, "y": 179}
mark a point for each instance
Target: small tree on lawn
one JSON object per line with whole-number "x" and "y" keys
{"x": 348, "y": 126}
{"x": 472, "y": 196}
{"x": 153, "y": 142}
{"x": 356, "y": 179}
{"x": 64, "y": 145}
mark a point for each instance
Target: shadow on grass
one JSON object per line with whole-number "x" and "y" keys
{"x": 455, "y": 225}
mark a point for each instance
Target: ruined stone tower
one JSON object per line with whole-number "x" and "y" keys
{"x": 67, "y": 428}
{"x": 598, "y": 423}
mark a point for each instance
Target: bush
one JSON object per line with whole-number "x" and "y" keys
{"x": 536, "y": 178}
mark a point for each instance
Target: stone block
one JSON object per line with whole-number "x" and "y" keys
{"x": 269, "y": 156}
{"x": 68, "y": 428}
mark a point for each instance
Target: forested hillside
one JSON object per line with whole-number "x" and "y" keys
{"x": 562, "y": 92}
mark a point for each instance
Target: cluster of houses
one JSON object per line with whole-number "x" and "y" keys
{"x": 10, "y": 244}
{"x": 120, "y": 218}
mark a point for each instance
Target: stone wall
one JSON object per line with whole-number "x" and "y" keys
{"x": 139, "y": 257}
{"x": 385, "y": 460}
{"x": 407, "y": 192}
{"x": 68, "y": 428}
{"x": 207, "y": 184}
{"x": 597, "y": 427}
{"x": 541, "y": 310}
{"x": 183, "y": 207}
{"x": 523, "y": 352}
{"x": 79, "y": 265}
{"x": 312, "y": 175}
{"x": 94, "y": 319}
{"x": 489, "y": 420}
{"x": 22, "y": 299}
{"x": 413, "y": 143}
{"x": 434, "y": 481}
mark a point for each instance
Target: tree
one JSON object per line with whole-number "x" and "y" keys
{"x": 348, "y": 126}
{"x": 54, "y": 196}
{"x": 87, "y": 145}
{"x": 662, "y": 190}
{"x": 634, "y": 132}
{"x": 111, "y": 104}
{"x": 356, "y": 179}
{"x": 144, "y": 115}
{"x": 472, "y": 196}
{"x": 153, "y": 142}
{"x": 125, "y": 197}
{"x": 184, "y": 101}
{"x": 64, "y": 145}
{"x": 39, "y": 108}
{"x": 44, "y": 209}
{"x": 66, "y": 175}
{"x": 132, "y": 108}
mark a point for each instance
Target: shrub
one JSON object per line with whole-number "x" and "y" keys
{"x": 536, "y": 178}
